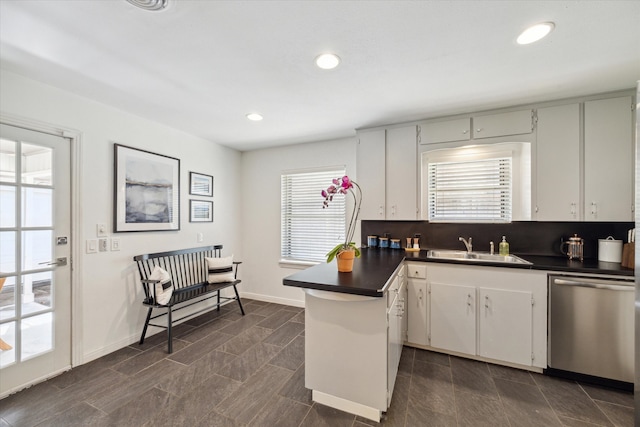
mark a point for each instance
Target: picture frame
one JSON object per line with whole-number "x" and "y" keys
{"x": 146, "y": 191}
{"x": 200, "y": 211}
{"x": 200, "y": 184}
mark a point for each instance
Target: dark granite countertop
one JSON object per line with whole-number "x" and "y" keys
{"x": 370, "y": 274}
{"x": 374, "y": 268}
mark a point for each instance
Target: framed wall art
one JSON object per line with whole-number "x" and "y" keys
{"x": 200, "y": 211}
{"x": 146, "y": 191}
{"x": 200, "y": 184}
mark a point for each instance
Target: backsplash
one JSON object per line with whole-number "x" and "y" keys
{"x": 524, "y": 237}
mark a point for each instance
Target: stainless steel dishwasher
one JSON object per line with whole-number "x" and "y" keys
{"x": 591, "y": 326}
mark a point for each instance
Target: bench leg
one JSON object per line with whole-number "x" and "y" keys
{"x": 218, "y": 300}
{"x": 238, "y": 298}
{"x": 169, "y": 322}
{"x": 146, "y": 323}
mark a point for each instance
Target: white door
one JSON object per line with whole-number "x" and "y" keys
{"x": 506, "y": 325}
{"x": 35, "y": 249}
{"x": 453, "y": 317}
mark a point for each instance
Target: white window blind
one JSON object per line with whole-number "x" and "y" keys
{"x": 470, "y": 190}
{"x": 308, "y": 231}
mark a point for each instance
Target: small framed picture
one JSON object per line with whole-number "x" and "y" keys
{"x": 200, "y": 211}
{"x": 200, "y": 184}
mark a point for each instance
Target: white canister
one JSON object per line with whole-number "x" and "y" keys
{"x": 609, "y": 250}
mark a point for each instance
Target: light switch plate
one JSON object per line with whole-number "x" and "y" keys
{"x": 103, "y": 244}
{"x": 92, "y": 246}
{"x": 115, "y": 244}
{"x": 101, "y": 230}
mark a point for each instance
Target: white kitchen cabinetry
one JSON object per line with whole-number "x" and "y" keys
{"x": 386, "y": 163}
{"x": 558, "y": 164}
{"x": 505, "y": 325}
{"x": 503, "y": 124}
{"x": 401, "y": 174}
{"x": 370, "y": 168}
{"x": 492, "y": 313}
{"x": 453, "y": 317}
{"x": 395, "y": 317}
{"x": 446, "y": 131}
{"x": 608, "y": 159}
{"x": 417, "y": 303}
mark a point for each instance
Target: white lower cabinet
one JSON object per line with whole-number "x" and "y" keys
{"x": 505, "y": 329}
{"x": 417, "y": 303}
{"x": 453, "y": 317}
{"x": 489, "y": 313}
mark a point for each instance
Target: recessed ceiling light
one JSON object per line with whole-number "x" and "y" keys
{"x": 327, "y": 61}
{"x": 254, "y": 117}
{"x": 535, "y": 33}
{"x": 150, "y": 5}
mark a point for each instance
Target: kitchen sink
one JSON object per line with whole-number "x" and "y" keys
{"x": 475, "y": 257}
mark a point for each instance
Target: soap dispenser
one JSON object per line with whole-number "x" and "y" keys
{"x": 503, "y": 247}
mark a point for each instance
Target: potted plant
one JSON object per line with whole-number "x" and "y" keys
{"x": 346, "y": 251}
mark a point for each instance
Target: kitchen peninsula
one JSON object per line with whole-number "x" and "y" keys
{"x": 354, "y": 331}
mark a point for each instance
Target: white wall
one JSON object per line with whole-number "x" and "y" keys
{"x": 261, "y": 170}
{"x": 112, "y": 314}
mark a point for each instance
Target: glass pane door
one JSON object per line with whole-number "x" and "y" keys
{"x": 34, "y": 271}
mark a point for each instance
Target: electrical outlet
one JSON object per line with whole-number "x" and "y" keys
{"x": 92, "y": 246}
{"x": 200, "y": 237}
{"x": 103, "y": 244}
{"x": 101, "y": 230}
{"x": 115, "y": 244}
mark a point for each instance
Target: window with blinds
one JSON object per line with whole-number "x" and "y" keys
{"x": 470, "y": 190}
{"x": 308, "y": 231}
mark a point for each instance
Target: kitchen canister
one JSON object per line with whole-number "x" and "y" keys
{"x": 383, "y": 242}
{"x": 372, "y": 241}
{"x": 610, "y": 250}
{"x": 395, "y": 244}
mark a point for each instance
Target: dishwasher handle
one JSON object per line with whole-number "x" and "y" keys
{"x": 612, "y": 285}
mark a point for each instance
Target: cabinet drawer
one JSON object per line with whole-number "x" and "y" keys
{"x": 417, "y": 271}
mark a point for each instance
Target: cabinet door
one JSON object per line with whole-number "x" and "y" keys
{"x": 447, "y": 131}
{"x": 417, "y": 312}
{"x": 608, "y": 160}
{"x": 506, "y": 328}
{"x": 558, "y": 164}
{"x": 453, "y": 317}
{"x": 370, "y": 168}
{"x": 394, "y": 340}
{"x": 401, "y": 174}
{"x": 503, "y": 124}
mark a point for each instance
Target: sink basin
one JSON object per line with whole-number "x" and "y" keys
{"x": 475, "y": 257}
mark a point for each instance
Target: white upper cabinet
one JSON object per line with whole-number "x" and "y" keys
{"x": 447, "y": 131}
{"x": 386, "y": 163}
{"x": 608, "y": 159}
{"x": 503, "y": 124}
{"x": 558, "y": 164}
{"x": 370, "y": 168}
{"x": 401, "y": 174}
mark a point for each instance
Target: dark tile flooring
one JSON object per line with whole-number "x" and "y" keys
{"x": 229, "y": 370}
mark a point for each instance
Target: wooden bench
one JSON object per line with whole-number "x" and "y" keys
{"x": 189, "y": 273}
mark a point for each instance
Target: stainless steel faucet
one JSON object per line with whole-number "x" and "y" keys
{"x": 467, "y": 243}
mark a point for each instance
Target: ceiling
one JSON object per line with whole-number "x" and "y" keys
{"x": 201, "y": 66}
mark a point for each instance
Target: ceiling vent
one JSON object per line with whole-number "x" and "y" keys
{"x": 150, "y": 5}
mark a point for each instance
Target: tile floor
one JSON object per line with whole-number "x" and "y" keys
{"x": 229, "y": 370}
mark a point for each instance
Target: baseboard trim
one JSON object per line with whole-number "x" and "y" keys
{"x": 276, "y": 300}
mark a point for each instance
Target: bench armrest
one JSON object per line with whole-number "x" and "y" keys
{"x": 235, "y": 270}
